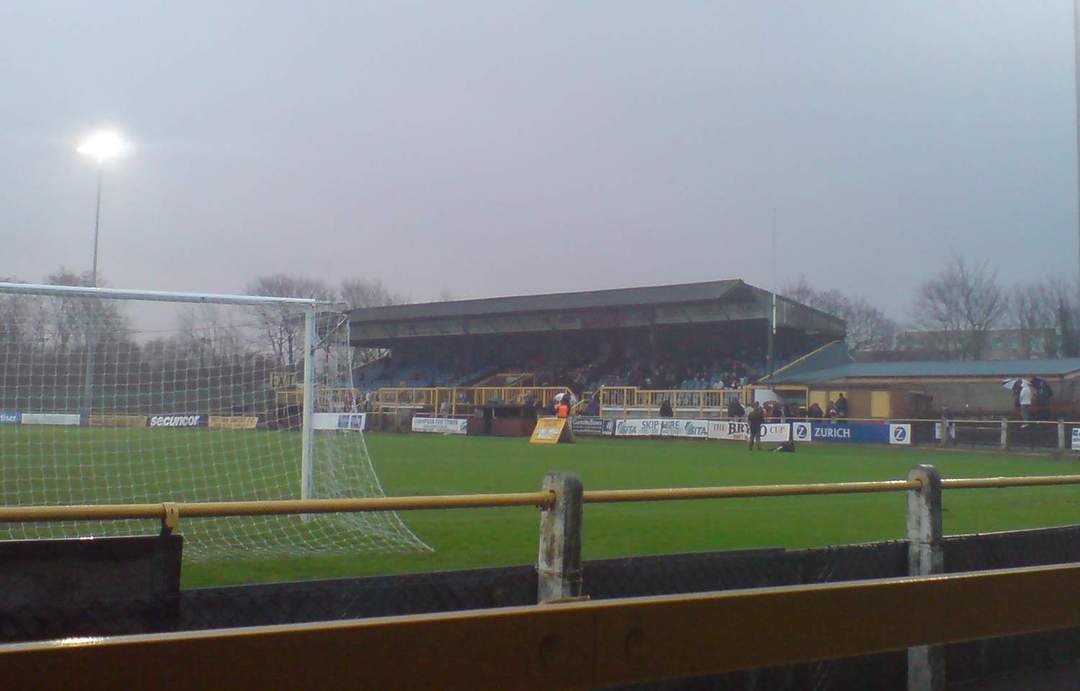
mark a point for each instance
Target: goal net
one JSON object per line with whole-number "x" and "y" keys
{"x": 116, "y": 397}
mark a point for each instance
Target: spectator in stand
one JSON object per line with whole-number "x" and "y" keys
{"x": 841, "y": 406}
{"x": 444, "y": 408}
{"x": 814, "y": 411}
{"x": 735, "y": 411}
{"x": 830, "y": 411}
{"x": 593, "y": 407}
{"x": 665, "y": 409}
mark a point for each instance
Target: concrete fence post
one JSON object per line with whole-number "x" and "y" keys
{"x": 926, "y": 664}
{"x": 1004, "y": 433}
{"x": 558, "y": 567}
{"x": 1062, "y": 441}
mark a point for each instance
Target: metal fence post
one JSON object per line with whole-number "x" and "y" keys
{"x": 944, "y": 430}
{"x": 926, "y": 664}
{"x": 1061, "y": 434}
{"x": 558, "y": 567}
{"x": 1004, "y": 433}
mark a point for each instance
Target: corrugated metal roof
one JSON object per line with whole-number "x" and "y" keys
{"x": 619, "y": 297}
{"x": 932, "y": 368}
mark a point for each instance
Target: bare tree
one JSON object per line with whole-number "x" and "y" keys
{"x": 1061, "y": 299}
{"x": 282, "y": 326}
{"x": 868, "y": 328}
{"x": 958, "y": 307}
{"x": 71, "y": 321}
{"x": 1031, "y": 310}
{"x": 358, "y": 293}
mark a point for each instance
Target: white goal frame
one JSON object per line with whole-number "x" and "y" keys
{"x": 307, "y": 306}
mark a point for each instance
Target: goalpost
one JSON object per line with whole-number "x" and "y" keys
{"x": 130, "y": 396}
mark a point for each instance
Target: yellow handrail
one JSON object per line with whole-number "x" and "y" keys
{"x": 542, "y": 499}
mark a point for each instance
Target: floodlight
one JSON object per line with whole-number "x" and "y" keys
{"x": 103, "y": 146}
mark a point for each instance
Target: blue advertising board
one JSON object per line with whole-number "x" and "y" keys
{"x": 847, "y": 432}
{"x": 9, "y": 418}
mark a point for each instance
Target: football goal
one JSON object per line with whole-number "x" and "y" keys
{"x": 122, "y": 396}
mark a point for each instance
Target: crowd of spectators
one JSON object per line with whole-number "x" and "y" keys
{"x": 579, "y": 365}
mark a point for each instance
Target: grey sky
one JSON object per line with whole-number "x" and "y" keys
{"x": 511, "y": 147}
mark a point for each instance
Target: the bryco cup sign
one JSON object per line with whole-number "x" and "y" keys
{"x": 175, "y": 420}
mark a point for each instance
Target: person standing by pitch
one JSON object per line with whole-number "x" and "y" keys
{"x": 755, "y": 418}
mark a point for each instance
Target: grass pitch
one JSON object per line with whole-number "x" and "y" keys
{"x": 429, "y": 464}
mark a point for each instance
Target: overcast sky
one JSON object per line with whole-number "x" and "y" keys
{"x": 516, "y": 147}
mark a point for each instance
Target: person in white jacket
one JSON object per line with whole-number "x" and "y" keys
{"x": 1027, "y": 399}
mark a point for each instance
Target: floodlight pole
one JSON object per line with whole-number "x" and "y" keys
{"x": 1076, "y": 94}
{"x": 97, "y": 228}
{"x": 91, "y": 318}
{"x": 771, "y": 356}
{"x": 307, "y": 454}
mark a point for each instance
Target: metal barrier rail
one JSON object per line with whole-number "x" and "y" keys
{"x": 540, "y": 499}
{"x": 572, "y": 645}
{"x": 14, "y": 514}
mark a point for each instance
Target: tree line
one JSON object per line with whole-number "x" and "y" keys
{"x": 956, "y": 312}
{"x": 55, "y": 333}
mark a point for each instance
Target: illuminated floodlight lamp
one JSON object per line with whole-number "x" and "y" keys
{"x": 103, "y": 146}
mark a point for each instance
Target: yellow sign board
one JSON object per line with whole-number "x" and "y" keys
{"x": 233, "y": 422}
{"x": 551, "y": 430}
{"x": 117, "y": 420}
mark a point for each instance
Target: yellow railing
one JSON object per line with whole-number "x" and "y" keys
{"x": 566, "y": 645}
{"x": 625, "y": 399}
{"x": 462, "y": 399}
{"x": 541, "y": 499}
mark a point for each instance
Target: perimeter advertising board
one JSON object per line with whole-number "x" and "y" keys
{"x": 63, "y": 419}
{"x": 551, "y": 430}
{"x": 177, "y": 420}
{"x": 234, "y": 422}
{"x": 331, "y": 421}
{"x": 851, "y": 432}
{"x": 9, "y": 418}
{"x": 698, "y": 429}
{"x": 117, "y": 420}
{"x": 440, "y": 425}
{"x": 733, "y": 430}
{"x": 592, "y": 425}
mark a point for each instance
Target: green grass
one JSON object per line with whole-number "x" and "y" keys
{"x": 431, "y": 464}
{"x": 416, "y": 464}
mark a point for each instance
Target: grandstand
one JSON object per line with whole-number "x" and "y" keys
{"x": 709, "y": 337}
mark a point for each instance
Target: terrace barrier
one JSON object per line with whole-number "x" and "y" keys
{"x": 559, "y": 572}
{"x": 599, "y": 644}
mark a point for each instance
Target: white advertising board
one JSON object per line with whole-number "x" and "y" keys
{"x": 327, "y": 421}
{"x": 900, "y": 434}
{"x": 440, "y": 425}
{"x": 50, "y": 419}
{"x": 732, "y": 430}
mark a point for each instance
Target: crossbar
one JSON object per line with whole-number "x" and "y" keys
{"x": 155, "y": 295}
{"x": 573, "y": 645}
